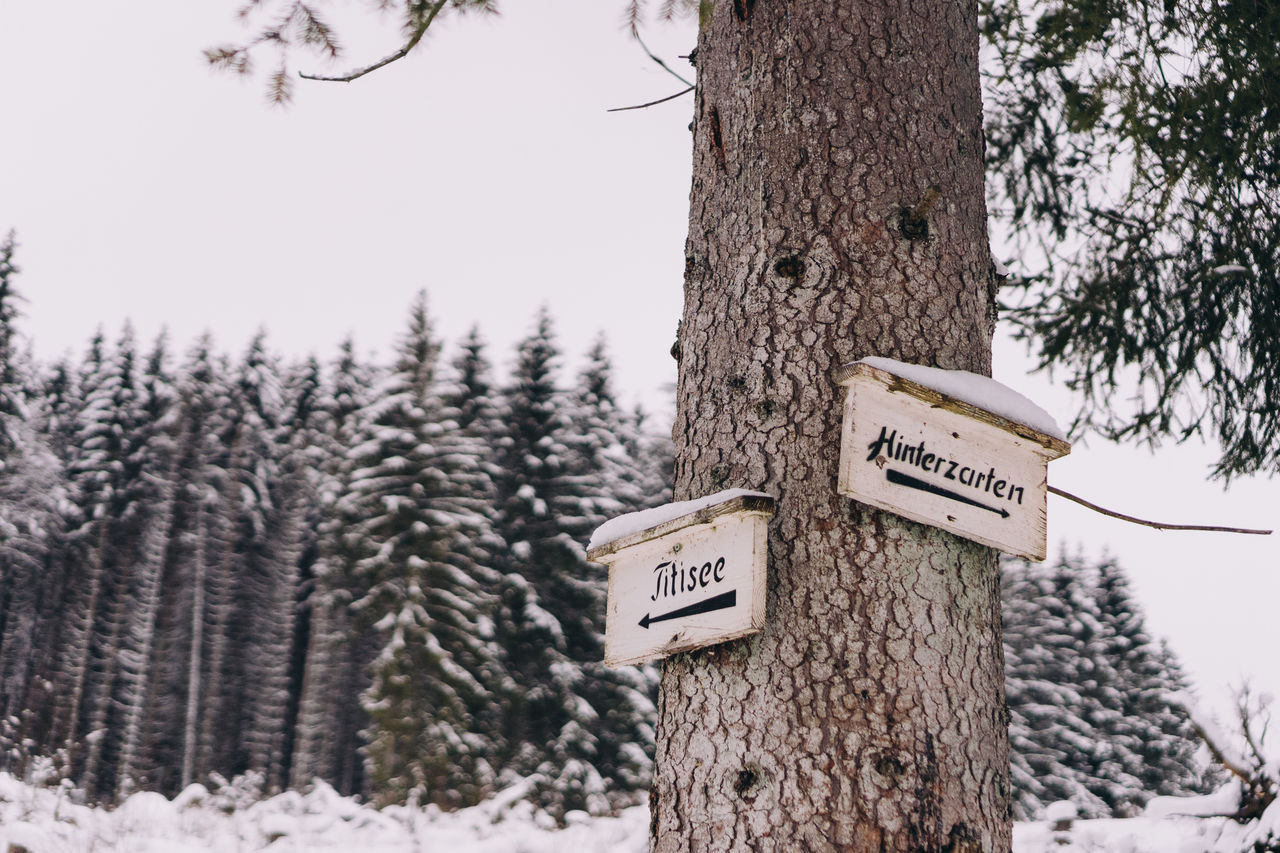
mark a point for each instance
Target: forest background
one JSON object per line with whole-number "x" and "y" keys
{"x": 262, "y": 574}
{"x": 131, "y": 182}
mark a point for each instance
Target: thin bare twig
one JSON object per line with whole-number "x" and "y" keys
{"x": 414, "y": 38}
{"x": 651, "y": 103}
{"x": 650, "y": 54}
{"x": 1159, "y": 526}
{"x": 1246, "y": 719}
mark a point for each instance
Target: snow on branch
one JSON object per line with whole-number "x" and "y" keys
{"x": 1259, "y": 778}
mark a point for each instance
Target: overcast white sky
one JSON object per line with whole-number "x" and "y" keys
{"x": 486, "y": 170}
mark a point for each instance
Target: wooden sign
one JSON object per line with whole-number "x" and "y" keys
{"x": 921, "y": 454}
{"x": 691, "y": 581}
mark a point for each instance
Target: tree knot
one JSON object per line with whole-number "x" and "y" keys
{"x": 914, "y": 221}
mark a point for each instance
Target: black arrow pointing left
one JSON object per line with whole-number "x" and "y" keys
{"x": 723, "y": 601}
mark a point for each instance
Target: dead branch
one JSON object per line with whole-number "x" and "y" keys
{"x": 652, "y": 103}
{"x": 1219, "y": 755}
{"x": 636, "y": 35}
{"x": 1156, "y": 524}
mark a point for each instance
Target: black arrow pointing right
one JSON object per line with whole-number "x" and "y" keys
{"x": 723, "y": 601}
{"x": 912, "y": 483}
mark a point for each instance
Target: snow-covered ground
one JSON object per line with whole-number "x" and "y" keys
{"x": 44, "y": 820}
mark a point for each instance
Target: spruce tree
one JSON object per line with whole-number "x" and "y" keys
{"x": 193, "y": 590}
{"x": 1088, "y": 690}
{"x": 1051, "y": 674}
{"x": 304, "y": 456}
{"x": 31, "y": 489}
{"x": 330, "y": 716}
{"x": 472, "y": 391}
{"x": 419, "y": 500}
{"x": 155, "y": 453}
{"x": 52, "y": 408}
{"x": 559, "y": 722}
{"x": 541, "y": 730}
{"x": 111, "y": 487}
{"x": 1160, "y": 742}
{"x": 263, "y": 557}
{"x": 1133, "y": 150}
{"x": 11, "y": 402}
{"x": 608, "y": 479}
{"x": 654, "y": 456}
{"x": 56, "y": 399}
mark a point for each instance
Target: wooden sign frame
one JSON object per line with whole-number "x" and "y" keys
{"x": 914, "y": 451}
{"x": 692, "y": 581}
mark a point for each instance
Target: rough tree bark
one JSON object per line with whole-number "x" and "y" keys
{"x": 837, "y": 212}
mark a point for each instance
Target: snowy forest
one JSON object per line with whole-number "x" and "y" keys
{"x": 373, "y": 575}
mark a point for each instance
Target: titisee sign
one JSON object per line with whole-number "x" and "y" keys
{"x": 689, "y": 581}
{"x": 916, "y": 452}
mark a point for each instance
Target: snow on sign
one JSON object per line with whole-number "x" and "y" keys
{"x": 684, "y": 576}
{"x": 949, "y": 449}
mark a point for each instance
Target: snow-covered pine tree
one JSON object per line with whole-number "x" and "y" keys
{"x": 1050, "y": 671}
{"x": 604, "y": 438}
{"x": 547, "y": 730}
{"x": 552, "y": 599}
{"x": 31, "y": 488}
{"x": 53, "y": 403}
{"x": 114, "y": 491}
{"x": 82, "y": 557}
{"x": 654, "y": 455}
{"x": 263, "y": 556}
{"x": 1159, "y": 741}
{"x": 607, "y": 479}
{"x": 1087, "y": 691}
{"x": 12, "y": 408}
{"x": 55, "y": 400}
{"x": 155, "y": 452}
{"x": 471, "y": 394}
{"x": 194, "y": 588}
{"x": 420, "y": 497}
{"x": 330, "y": 716}
{"x": 305, "y": 456}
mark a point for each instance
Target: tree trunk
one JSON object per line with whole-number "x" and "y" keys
{"x": 137, "y": 659}
{"x": 191, "y": 720}
{"x": 837, "y": 212}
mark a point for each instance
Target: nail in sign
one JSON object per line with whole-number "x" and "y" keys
{"x": 916, "y": 452}
{"x": 692, "y": 581}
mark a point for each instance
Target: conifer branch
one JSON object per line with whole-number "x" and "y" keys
{"x": 1156, "y": 524}
{"x": 652, "y": 103}
{"x": 414, "y": 37}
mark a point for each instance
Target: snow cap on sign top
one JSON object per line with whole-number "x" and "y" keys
{"x": 980, "y": 391}
{"x": 634, "y": 522}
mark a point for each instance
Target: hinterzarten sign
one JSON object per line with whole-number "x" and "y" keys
{"x": 921, "y": 454}
{"x": 687, "y": 582}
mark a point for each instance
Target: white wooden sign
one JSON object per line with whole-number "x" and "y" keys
{"x": 689, "y": 582}
{"x": 918, "y": 453}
